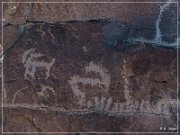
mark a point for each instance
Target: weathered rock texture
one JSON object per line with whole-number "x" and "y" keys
{"x": 62, "y": 78}
{"x": 55, "y": 12}
{"x": 141, "y": 16}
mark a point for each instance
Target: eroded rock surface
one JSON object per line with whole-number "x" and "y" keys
{"x": 61, "y": 77}
{"x": 141, "y": 16}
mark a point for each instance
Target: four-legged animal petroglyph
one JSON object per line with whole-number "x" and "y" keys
{"x": 31, "y": 63}
{"x": 106, "y": 104}
{"x": 104, "y": 81}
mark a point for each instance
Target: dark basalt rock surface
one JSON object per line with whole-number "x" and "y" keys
{"x": 61, "y": 78}
{"x": 114, "y": 33}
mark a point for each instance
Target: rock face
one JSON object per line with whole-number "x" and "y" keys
{"x": 141, "y": 16}
{"x": 61, "y": 78}
{"x": 79, "y": 67}
{"x": 114, "y": 33}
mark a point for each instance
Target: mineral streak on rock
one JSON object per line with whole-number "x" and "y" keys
{"x": 77, "y": 84}
{"x": 158, "y": 36}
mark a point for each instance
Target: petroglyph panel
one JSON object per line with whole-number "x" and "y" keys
{"x": 51, "y": 69}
